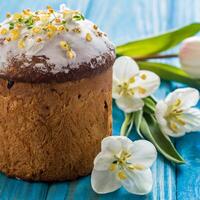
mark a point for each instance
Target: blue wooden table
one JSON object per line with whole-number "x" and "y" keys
{"x": 123, "y": 20}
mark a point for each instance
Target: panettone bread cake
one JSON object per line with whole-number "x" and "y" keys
{"x": 55, "y": 94}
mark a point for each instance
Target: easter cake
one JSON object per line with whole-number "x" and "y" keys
{"x": 55, "y": 94}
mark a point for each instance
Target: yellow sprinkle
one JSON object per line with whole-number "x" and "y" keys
{"x": 70, "y": 54}
{"x": 61, "y": 28}
{"x": 57, "y": 20}
{"x": 141, "y": 90}
{"x": 8, "y": 15}
{"x": 17, "y": 16}
{"x": 76, "y": 30}
{"x": 50, "y": 34}
{"x": 8, "y": 39}
{"x": 65, "y": 46}
{"x": 36, "y": 18}
{"x": 99, "y": 34}
{"x": 88, "y": 37}
{"x": 21, "y": 44}
{"x": 51, "y": 27}
{"x": 50, "y": 9}
{"x": 36, "y": 30}
{"x": 143, "y": 76}
{"x": 26, "y": 12}
{"x": 95, "y": 27}
{"x": 15, "y": 34}
{"x": 121, "y": 175}
{"x": 112, "y": 167}
{"x": 4, "y": 31}
{"x": 39, "y": 40}
{"x": 18, "y": 26}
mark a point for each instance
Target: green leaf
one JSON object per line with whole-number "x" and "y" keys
{"x": 149, "y": 105}
{"x": 127, "y": 124}
{"x": 151, "y": 131}
{"x": 138, "y": 120}
{"x": 130, "y": 125}
{"x": 157, "y": 44}
{"x": 169, "y": 73}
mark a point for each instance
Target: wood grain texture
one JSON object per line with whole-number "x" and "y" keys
{"x": 123, "y": 20}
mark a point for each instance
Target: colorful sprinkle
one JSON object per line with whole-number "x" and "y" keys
{"x": 88, "y": 37}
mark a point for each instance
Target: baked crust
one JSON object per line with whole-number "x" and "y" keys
{"x": 53, "y": 131}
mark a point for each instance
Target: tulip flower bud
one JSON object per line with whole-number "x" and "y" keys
{"x": 190, "y": 56}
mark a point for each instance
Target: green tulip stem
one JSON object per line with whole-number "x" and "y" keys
{"x": 126, "y": 124}
{"x": 155, "y": 57}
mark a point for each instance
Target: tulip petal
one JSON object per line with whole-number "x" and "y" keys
{"x": 104, "y": 182}
{"x": 111, "y": 145}
{"x": 115, "y": 89}
{"x": 128, "y": 104}
{"x": 126, "y": 143}
{"x": 103, "y": 161}
{"x": 161, "y": 111}
{"x": 147, "y": 84}
{"x": 189, "y": 56}
{"x": 189, "y": 97}
{"x": 192, "y": 119}
{"x": 138, "y": 182}
{"x": 125, "y": 68}
{"x": 143, "y": 153}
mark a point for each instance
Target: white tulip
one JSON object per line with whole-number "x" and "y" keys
{"x": 190, "y": 56}
{"x": 130, "y": 85}
{"x": 122, "y": 162}
{"x": 176, "y": 115}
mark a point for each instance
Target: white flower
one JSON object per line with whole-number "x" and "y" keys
{"x": 190, "y": 56}
{"x": 176, "y": 115}
{"x": 130, "y": 85}
{"x": 122, "y": 162}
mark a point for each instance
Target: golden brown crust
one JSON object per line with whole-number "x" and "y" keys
{"x": 52, "y": 132}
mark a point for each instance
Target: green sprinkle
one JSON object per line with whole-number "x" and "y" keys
{"x": 64, "y": 22}
{"x": 20, "y": 20}
{"x": 11, "y": 25}
{"x": 78, "y": 17}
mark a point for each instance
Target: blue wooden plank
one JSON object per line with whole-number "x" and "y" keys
{"x": 123, "y": 20}
{"x": 188, "y": 177}
{"x": 13, "y": 189}
{"x": 58, "y": 191}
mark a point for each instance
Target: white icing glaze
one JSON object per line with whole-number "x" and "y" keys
{"x": 84, "y": 50}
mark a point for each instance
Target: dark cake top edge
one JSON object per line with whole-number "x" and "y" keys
{"x": 32, "y": 75}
